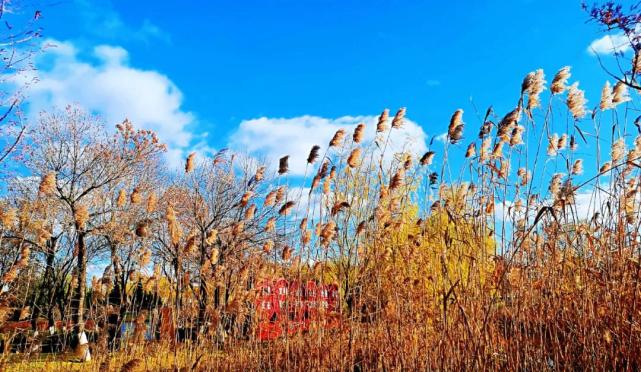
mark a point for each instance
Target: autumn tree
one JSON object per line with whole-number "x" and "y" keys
{"x": 75, "y": 153}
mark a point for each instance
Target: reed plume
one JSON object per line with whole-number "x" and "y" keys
{"x": 339, "y": 206}
{"x": 244, "y": 200}
{"x": 268, "y": 246}
{"x": 260, "y": 174}
{"x": 152, "y": 202}
{"x": 397, "y": 179}
{"x": 190, "y": 163}
{"x": 81, "y": 216}
{"x": 619, "y": 93}
{"x": 322, "y": 171}
{"x": 286, "y": 208}
{"x": 560, "y": 80}
{"x": 122, "y": 199}
{"x": 563, "y": 142}
{"x": 337, "y": 140}
{"x": 573, "y": 144}
{"x": 397, "y": 122}
{"x": 517, "y": 136}
{"x": 47, "y": 184}
{"x": 455, "y": 129}
{"x": 250, "y": 212}
{"x": 577, "y": 167}
{"x": 524, "y": 176}
{"x": 576, "y": 101}
{"x": 354, "y": 158}
{"x": 237, "y": 228}
{"x": 214, "y": 256}
{"x": 135, "y": 197}
{"x": 507, "y": 124}
{"x": 427, "y": 158}
{"x": 328, "y": 232}
{"x": 212, "y": 235}
{"x": 270, "y": 199}
{"x": 636, "y": 63}
{"x": 533, "y": 85}
{"x": 326, "y": 186}
{"x": 315, "y": 182}
{"x": 553, "y": 143}
{"x": 142, "y": 229}
{"x": 359, "y": 132}
{"x": 8, "y": 217}
{"x": 606, "y": 97}
{"x": 287, "y": 253}
{"x": 270, "y": 224}
{"x": 175, "y": 231}
{"x": 471, "y": 150}
{"x": 280, "y": 194}
{"x": 381, "y": 126}
{"x": 618, "y": 150}
{"x": 283, "y": 165}
{"x": 313, "y": 154}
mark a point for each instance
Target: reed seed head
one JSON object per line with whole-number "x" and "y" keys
{"x": 190, "y": 163}
{"x": 560, "y": 80}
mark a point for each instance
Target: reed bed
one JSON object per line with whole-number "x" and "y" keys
{"x": 513, "y": 244}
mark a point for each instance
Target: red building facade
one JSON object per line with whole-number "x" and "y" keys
{"x": 288, "y": 307}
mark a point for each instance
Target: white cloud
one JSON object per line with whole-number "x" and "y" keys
{"x": 586, "y": 203}
{"x": 277, "y": 137}
{"x": 109, "y": 86}
{"x": 589, "y": 202}
{"x": 102, "y": 20}
{"x": 441, "y": 137}
{"x": 610, "y": 44}
{"x": 111, "y": 55}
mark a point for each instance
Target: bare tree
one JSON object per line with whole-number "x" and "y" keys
{"x": 17, "y": 49}
{"x": 216, "y": 228}
{"x": 86, "y": 162}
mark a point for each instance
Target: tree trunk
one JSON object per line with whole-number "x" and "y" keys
{"x": 119, "y": 296}
{"x": 44, "y": 297}
{"x": 78, "y": 301}
{"x": 50, "y": 282}
{"x": 178, "y": 297}
{"x": 202, "y": 303}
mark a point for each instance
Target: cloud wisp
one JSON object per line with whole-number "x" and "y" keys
{"x": 103, "y": 21}
{"x": 610, "y": 44}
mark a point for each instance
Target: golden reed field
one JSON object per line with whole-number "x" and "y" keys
{"x": 516, "y": 247}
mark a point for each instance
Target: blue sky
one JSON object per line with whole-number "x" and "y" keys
{"x": 196, "y": 71}
{"x": 275, "y": 77}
